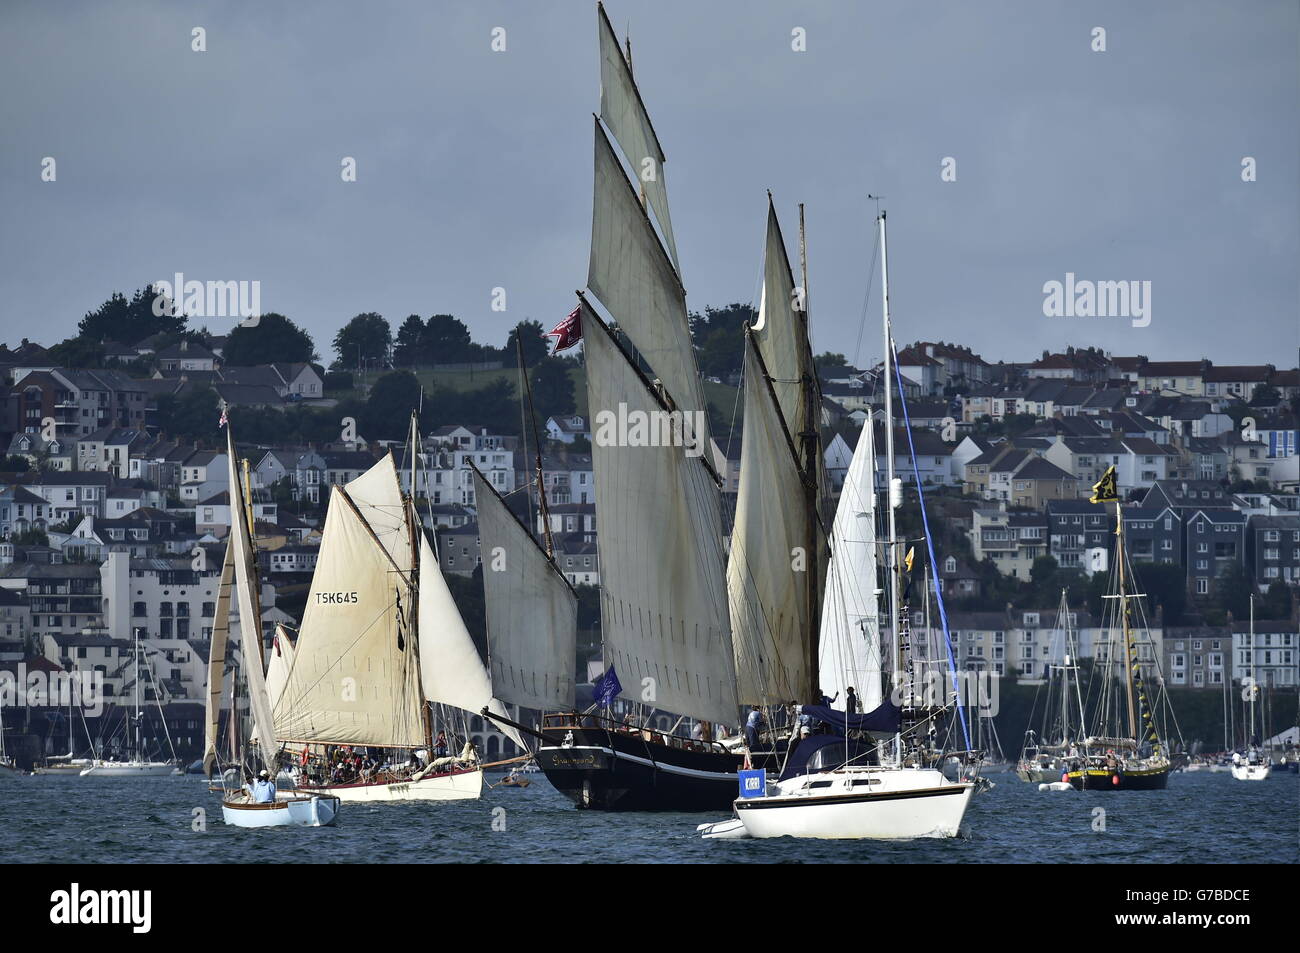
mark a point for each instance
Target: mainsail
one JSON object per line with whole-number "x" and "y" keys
{"x": 532, "y": 612}
{"x": 625, "y": 114}
{"x": 663, "y": 591}
{"x": 355, "y": 678}
{"x": 850, "y": 627}
{"x": 634, "y": 279}
{"x": 217, "y": 662}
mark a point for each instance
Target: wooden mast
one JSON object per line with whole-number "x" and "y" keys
{"x": 414, "y": 532}
{"x": 1124, "y": 622}
{"x": 543, "y": 508}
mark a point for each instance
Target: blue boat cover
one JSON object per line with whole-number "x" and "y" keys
{"x": 824, "y": 753}
{"x": 887, "y": 717}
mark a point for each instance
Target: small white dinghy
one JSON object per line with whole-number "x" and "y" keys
{"x": 1056, "y": 786}
{"x": 732, "y": 828}
{"x": 284, "y": 811}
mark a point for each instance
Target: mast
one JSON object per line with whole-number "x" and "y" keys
{"x": 891, "y": 543}
{"x": 1124, "y": 621}
{"x": 543, "y": 508}
{"x": 252, "y": 546}
{"x": 412, "y": 589}
{"x": 812, "y": 407}
{"x": 136, "y": 633}
{"x": 1254, "y": 687}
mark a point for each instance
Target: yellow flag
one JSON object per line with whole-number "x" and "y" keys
{"x": 907, "y": 560}
{"x": 1106, "y": 490}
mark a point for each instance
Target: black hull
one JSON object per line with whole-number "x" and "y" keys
{"x": 610, "y": 770}
{"x": 1099, "y": 779}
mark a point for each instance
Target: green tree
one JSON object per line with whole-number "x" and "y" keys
{"x": 15, "y": 464}
{"x": 829, "y": 359}
{"x": 552, "y": 388}
{"x": 129, "y": 320}
{"x": 1165, "y": 586}
{"x": 388, "y": 408}
{"x": 1276, "y": 603}
{"x": 190, "y": 416}
{"x": 719, "y": 338}
{"x": 534, "y": 339}
{"x": 446, "y": 340}
{"x": 409, "y": 348}
{"x": 366, "y": 338}
{"x": 273, "y": 339}
{"x": 1235, "y": 589}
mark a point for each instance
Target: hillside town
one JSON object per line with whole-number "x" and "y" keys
{"x": 112, "y": 525}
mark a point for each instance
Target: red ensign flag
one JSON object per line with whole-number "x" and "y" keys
{"x": 568, "y": 332}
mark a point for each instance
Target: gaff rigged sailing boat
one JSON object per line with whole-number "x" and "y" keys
{"x": 1135, "y": 760}
{"x": 843, "y": 783}
{"x": 380, "y": 640}
{"x": 239, "y": 579}
{"x": 1046, "y": 753}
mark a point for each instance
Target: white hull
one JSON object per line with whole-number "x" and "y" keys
{"x": 129, "y": 769}
{"x": 64, "y": 767}
{"x": 857, "y": 803}
{"x": 288, "y": 812}
{"x": 463, "y": 786}
{"x": 1251, "y": 772}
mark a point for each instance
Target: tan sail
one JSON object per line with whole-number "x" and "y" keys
{"x": 623, "y": 111}
{"x": 663, "y": 589}
{"x": 355, "y": 678}
{"x": 532, "y": 612}
{"x": 636, "y": 282}
{"x": 217, "y": 662}
{"x": 451, "y": 670}
{"x": 766, "y": 572}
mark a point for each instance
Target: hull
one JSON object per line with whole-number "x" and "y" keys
{"x": 312, "y": 811}
{"x": 1251, "y": 772}
{"x": 604, "y": 769}
{"x": 64, "y": 767}
{"x": 1038, "y": 774}
{"x": 871, "y": 803}
{"x": 129, "y": 769}
{"x": 456, "y": 786}
{"x": 1121, "y": 779}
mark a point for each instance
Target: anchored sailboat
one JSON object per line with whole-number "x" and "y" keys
{"x": 1254, "y": 766}
{"x": 1124, "y": 751}
{"x": 137, "y": 765}
{"x": 1045, "y": 755}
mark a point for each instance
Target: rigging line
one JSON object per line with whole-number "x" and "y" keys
{"x": 866, "y": 299}
{"x": 929, "y": 544}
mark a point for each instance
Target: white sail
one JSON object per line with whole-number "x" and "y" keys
{"x": 625, "y": 114}
{"x": 355, "y": 678}
{"x": 768, "y": 565}
{"x": 217, "y": 661}
{"x": 278, "y": 668}
{"x": 849, "y": 651}
{"x": 451, "y": 670}
{"x": 663, "y": 590}
{"x": 532, "y": 612}
{"x": 250, "y": 618}
{"x": 635, "y": 281}
{"x": 377, "y": 495}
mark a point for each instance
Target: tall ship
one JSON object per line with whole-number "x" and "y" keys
{"x": 1124, "y": 750}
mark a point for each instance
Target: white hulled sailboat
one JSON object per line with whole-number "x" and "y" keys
{"x": 1254, "y": 766}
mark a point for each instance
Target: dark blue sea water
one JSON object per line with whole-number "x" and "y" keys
{"x": 1200, "y": 817}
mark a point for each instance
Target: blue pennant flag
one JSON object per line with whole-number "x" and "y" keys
{"x": 606, "y": 688}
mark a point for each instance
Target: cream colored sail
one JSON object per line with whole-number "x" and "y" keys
{"x": 769, "y": 560}
{"x": 636, "y": 282}
{"x": 451, "y": 670}
{"x": 663, "y": 589}
{"x": 849, "y": 652}
{"x": 355, "y": 676}
{"x": 278, "y": 667}
{"x": 624, "y": 113}
{"x": 217, "y": 662}
{"x": 532, "y": 612}
{"x": 250, "y": 616}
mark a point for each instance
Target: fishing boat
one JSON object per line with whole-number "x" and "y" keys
{"x": 136, "y": 765}
{"x": 667, "y": 642}
{"x": 1046, "y": 754}
{"x": 874, "y": 774}
{"x": 1124, "y": 752}
{"x": 239, "y": 584}
{"x": 381, "y": 642}
{"x": 1253, "y": 765}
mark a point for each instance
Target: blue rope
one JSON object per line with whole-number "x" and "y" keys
{"x": 929, "y": 546}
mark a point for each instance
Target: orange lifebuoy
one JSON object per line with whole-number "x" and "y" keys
{"x": 304, "y": 757}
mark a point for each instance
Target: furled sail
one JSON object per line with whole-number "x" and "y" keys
{"x": 250, "y": 616}
{"x": 451, "y": 670}
{"x": 769, "y": 560}
{"x": 636, "y": 282}
{"x": 663, "y": 589}
{"x": 849, "y": 652}
{"x": 355, "y": 678}
{"x": 532, "y": 612}
{"x": 217, "y": 661}
{"x": 625, "y": 114}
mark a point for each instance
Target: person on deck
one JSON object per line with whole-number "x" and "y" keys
{"x": 851, "y": 701}
{"x": 754, "y": 727}
{"x": 263, "y": 789}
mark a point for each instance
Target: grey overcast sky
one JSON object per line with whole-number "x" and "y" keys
{"x": 474, "y": 166}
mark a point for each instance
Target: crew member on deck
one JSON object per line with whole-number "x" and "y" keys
{"x": 753, "y": 727}
{"x": 263, "y": 789}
